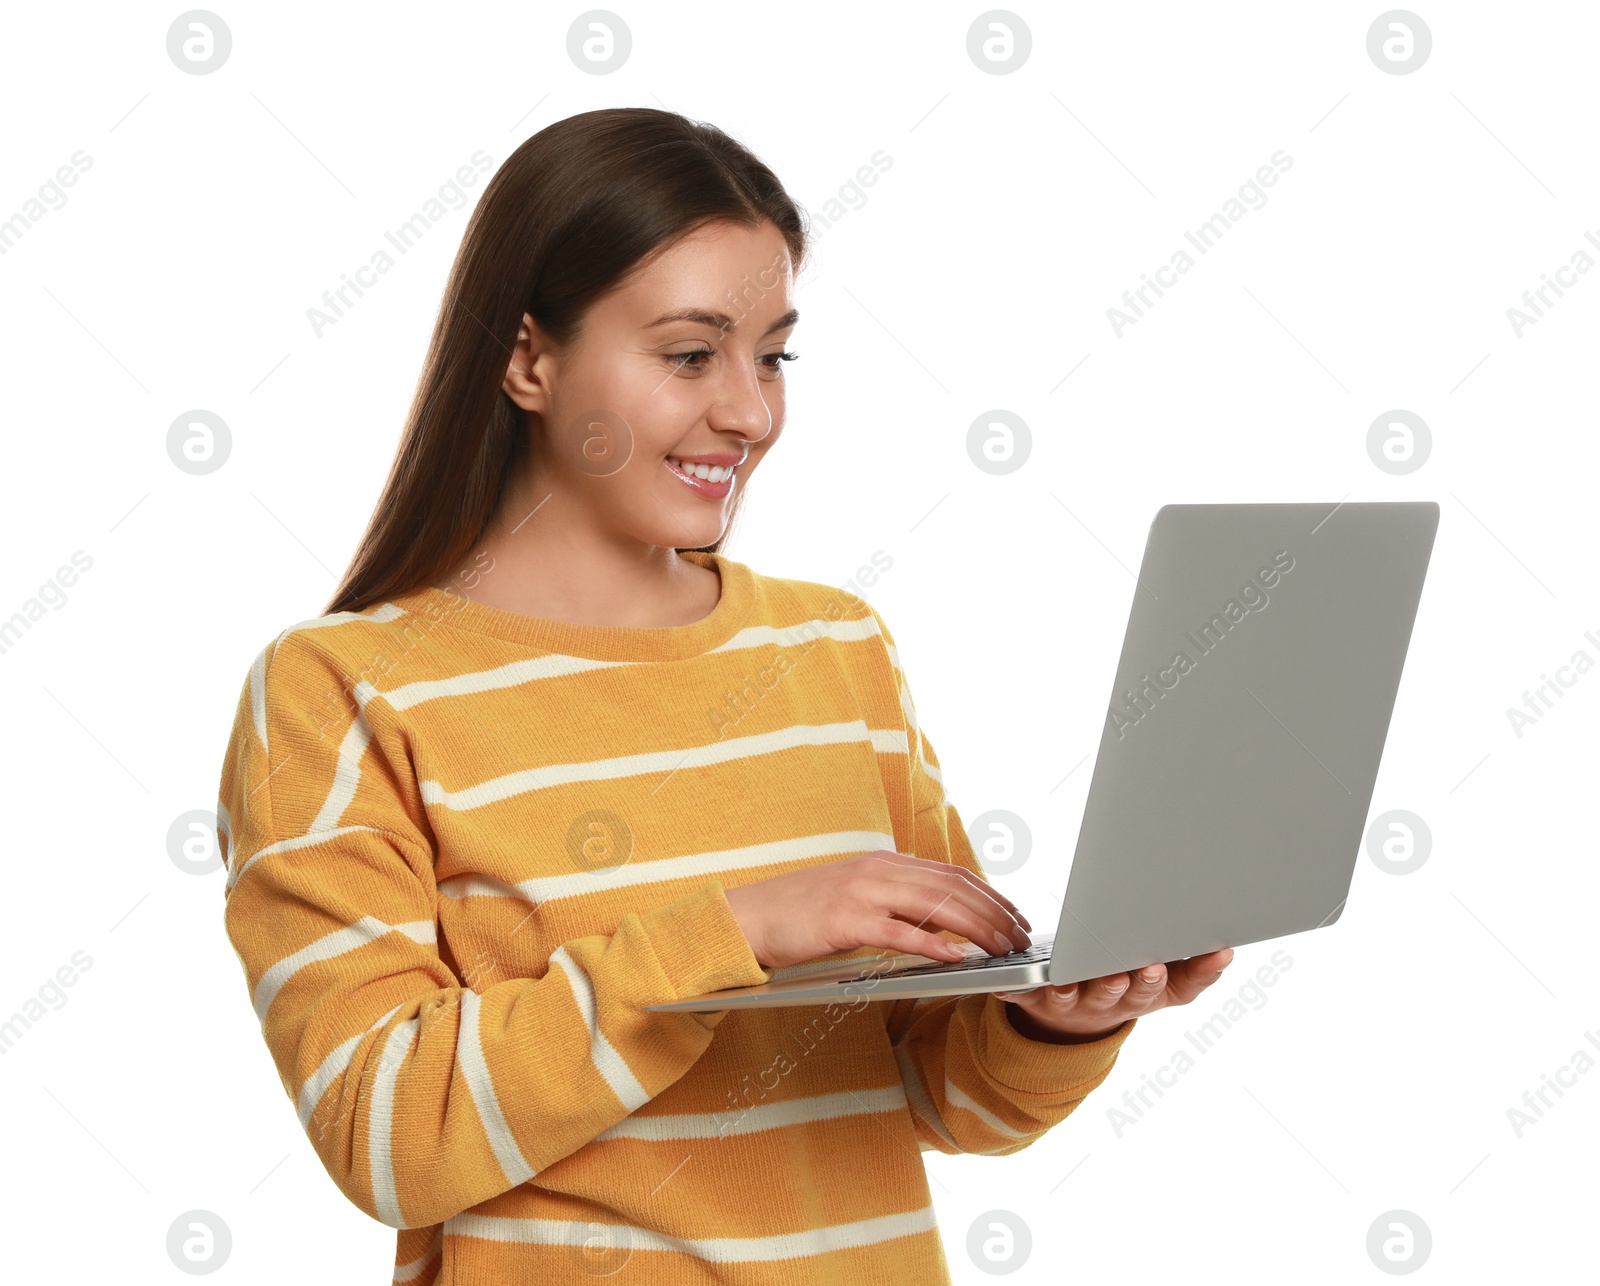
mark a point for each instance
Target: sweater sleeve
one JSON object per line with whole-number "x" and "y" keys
{"x": 974, "y": 1082}
{"x": 424, "y": 1096}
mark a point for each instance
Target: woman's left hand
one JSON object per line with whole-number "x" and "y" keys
{"x": 1083, "y": 1011}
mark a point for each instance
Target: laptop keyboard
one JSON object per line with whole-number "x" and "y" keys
{"x": 1038, "y": 950}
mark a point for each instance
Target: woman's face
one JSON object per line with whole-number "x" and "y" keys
{"x": 681, "y": 364}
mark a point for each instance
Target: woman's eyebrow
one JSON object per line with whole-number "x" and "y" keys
{"x": 720, "y": 320}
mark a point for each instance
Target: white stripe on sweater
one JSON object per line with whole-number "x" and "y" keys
{"x": 549, "y": 888}
{"x": 909, "y": 709}
{"x": 347, "y": 771}
{"x": 611, "y": 1065}
{"x": 790, "y": 636}
{"x": 330, "y": 1069}
{"x": 258, "y": 669}
{"x": 238, "y": 868}
{"x": 764, "y": 743}
{"x": 413, "y": 1270}
{"x": 919, "y": 1099}
{"x": 475, "y": 1071}
{"x": 380, "y": 615}
{"x": 955, "y": 1096}
{"x": 675, "y": 1128}
{"x": 225, "y": 841}
{"x": 716, "y": 1250}
{"x": 922, "y": 1102}
{"x": 330, "y": 946}
{"x": 258, "y": 695}
{"x": 505, "y": 676}
{"x": 558, "y": 665}
{"x": 380, "y": 1124}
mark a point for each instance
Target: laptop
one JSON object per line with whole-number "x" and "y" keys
{"x": 1230, "y": 790}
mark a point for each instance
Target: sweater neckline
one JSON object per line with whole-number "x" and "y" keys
{"x": 601, "y": 642}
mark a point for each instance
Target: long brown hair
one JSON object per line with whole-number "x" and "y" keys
{"x": 561, "y": 223}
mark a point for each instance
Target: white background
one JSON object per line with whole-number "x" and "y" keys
{"x": 976, "y": 275}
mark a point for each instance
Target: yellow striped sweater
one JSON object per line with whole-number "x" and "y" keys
{"x": 465, "y": 846}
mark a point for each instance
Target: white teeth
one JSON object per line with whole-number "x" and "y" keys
{"x": 706, "y": 472}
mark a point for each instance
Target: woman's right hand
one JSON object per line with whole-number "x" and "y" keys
{"x": 880, "y": 899}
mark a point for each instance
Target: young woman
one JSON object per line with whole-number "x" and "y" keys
{"x": 551, "y": 756}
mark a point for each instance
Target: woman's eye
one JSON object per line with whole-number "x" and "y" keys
{"x": 691, "y": 360}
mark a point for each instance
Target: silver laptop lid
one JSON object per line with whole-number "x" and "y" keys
{"x": 1258, "y": 674}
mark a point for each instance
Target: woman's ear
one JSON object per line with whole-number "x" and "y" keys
{"x": 529, "y": 370}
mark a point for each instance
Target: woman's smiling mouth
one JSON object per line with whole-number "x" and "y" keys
{"x": 710, "y": 475}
